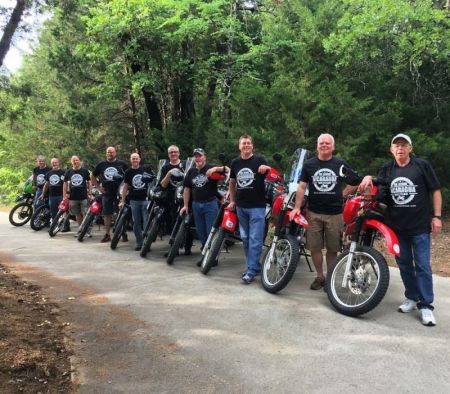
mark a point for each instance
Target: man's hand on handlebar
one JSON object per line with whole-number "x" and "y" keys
{"x": 262, "y": 169}
{"x": 293, "y": 213}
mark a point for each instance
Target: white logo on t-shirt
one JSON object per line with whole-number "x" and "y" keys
{"x": 324, "y": 180}
{"x": 54, "y": 179}
{"x": 76, "y": 180}
{"x": 245, "y": 177}
{"x": 110, "y": 172}
{"x": 403, "y": 190}
{"x": 200, "y": 180}
{"x": 40, "y": 179}
{"x": 137, "y": 182}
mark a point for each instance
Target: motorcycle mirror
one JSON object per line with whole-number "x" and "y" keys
{"x": 277, "y": 157}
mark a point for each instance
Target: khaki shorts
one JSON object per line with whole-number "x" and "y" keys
{"x": 324, "y": 232}
{"x": 78, "y": 207}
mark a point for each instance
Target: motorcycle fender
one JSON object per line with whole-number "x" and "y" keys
{"x": 389, "y": 235}
{"x": 229, "y": 221}
{"x": 158, "y": 211}
{"x": 96, "y": 208}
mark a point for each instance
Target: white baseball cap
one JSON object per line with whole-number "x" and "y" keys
{"x": 404, "y": 136}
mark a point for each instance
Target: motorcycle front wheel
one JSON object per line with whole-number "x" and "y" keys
{"x": 40, "y": 218}
{"x": 365, "y": 286}
{"x": 211, "y": 256}
{"x": 119, "y": 229}
{"x": 177, "y": 244}
{"x": 278, "y": 269}
{"x": 57, "y": 224}
{"x": 20, "y": 214}
{"x": 150, "y": 237}
{"x": 86, "y": 225}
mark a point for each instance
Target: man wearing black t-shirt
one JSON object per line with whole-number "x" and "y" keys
{"x": 321, "y": 175}
{"x": 202, "y": 192}
{"x": 39, "y": 177}
{"x": 248, "y": 196}
{"x": 137, "y": 195}
{"x": 77, "y": 188}
{"x": 103, "y": 178}
{"x": 54, "y": 180}
{"x": 414, "y": 210}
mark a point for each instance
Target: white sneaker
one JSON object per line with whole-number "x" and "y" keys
{"x": 407, "y": 306}
{"x": 428, "y": 317}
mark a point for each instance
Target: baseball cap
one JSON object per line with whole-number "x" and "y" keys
{"x": 199, "y": 151}
{"x": 404, "y": 136}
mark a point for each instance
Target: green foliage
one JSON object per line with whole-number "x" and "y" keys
{"x": 11, "y": 183}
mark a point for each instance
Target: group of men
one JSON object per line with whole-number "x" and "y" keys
{"x": 412, "y": 212}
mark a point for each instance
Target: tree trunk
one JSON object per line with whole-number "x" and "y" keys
{"x": 10, "y": 28}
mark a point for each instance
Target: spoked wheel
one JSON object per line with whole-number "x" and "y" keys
{"x": 150, "y": 237}
{"x": 279, "y": 266}
{"x": 21, "y": 214}
{"x": 57, "y": 224}
{"x": 211, "y": 256}
{"x": 40, "y": 218}
{"x": 365, "y": 286}
{"x": 177, "y": 244}
{"x": 86, "y": 226}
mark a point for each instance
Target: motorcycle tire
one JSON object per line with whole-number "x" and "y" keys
{"x": 150, "y": 237}
{"x": 85, "y": 226}
{"x": 118, "y": 230}
{"x": 211, "y": 256}
{"x": 20, "y": 214}
{"x": 367, "y": 285}
{"x": 279, "y": 270}
{"x": 40, "y": 218}
{"x": 57, "y": 224}
{"x": 177, "y": 244}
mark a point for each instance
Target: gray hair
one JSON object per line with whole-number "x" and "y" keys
{"x": 326, "y": 135}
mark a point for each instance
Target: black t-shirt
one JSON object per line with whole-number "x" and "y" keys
{"x": 202, "y": 188}
{"x": 105, "y": 171}
{"x": 55, "y": 179}
{"x": 77, "y": 183}
{"x": 137, "y": 190}
{"x": 249, "y": 183}
{"x": 39, "y": 174}
{"x": 324, "y": 185}
{"x": 409, "y": 196}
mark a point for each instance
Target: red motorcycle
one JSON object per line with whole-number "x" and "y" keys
{"x": 95, "y": 210}
{"x": 359, "y": 278}
{"x": 280, "y": 259}
{"x": 61, "y": 219}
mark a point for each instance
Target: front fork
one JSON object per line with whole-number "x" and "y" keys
{"x": 277, "y": 233}
{"x": 351, "y": 252}
{"x": 214, "y": 228}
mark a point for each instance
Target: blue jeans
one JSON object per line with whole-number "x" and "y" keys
{"x": 54, "y": 201}
{"x": 251, "y": 228}
{"x": 204, "y": 215}
{"x": 140, "y": 217}
{"x": 415, "y": 268}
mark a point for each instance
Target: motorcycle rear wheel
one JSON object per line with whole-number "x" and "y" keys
{"x": 40, "y": 218}
{"x": 177, "y": 244}
{"x": 366, "y": 286}
{"x": 21, "y": 213}
{"x": 279, "y": 270}
{"x": 211, "y": 256}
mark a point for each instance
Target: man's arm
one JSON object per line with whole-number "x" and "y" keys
{"x": 44, "y": 190}
{"x": 186, "y": 198}
{"x": 65, "y": 189}
{"x": 166, "y": 180}
{"x": 124, "y": 194}
{"x": 436, "y": 222}
{"x": 232, "y": 193}
{"x": 300, "y": 194}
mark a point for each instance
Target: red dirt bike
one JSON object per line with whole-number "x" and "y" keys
{"x": 61, "y": 219}
{"x": 95, "y": 210}
{"x": 280, "y": 260}
{"x": 359, "y": 278}
{"x": 225, "y": 227}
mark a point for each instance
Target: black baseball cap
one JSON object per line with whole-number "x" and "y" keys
{"x": 199, "y": 151}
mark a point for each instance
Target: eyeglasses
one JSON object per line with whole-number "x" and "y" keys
{"x": 174, "y": 151}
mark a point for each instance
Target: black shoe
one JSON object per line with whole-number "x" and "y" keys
{"x": 138, "y": 247}
{"x": 66, "y": 230}
{"x": 187, "y": 252}
{"x": 199, "y": 263}
{"x": 124, "y": 237}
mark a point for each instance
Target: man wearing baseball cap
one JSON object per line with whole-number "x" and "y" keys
{"x": 414, "y": 208}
